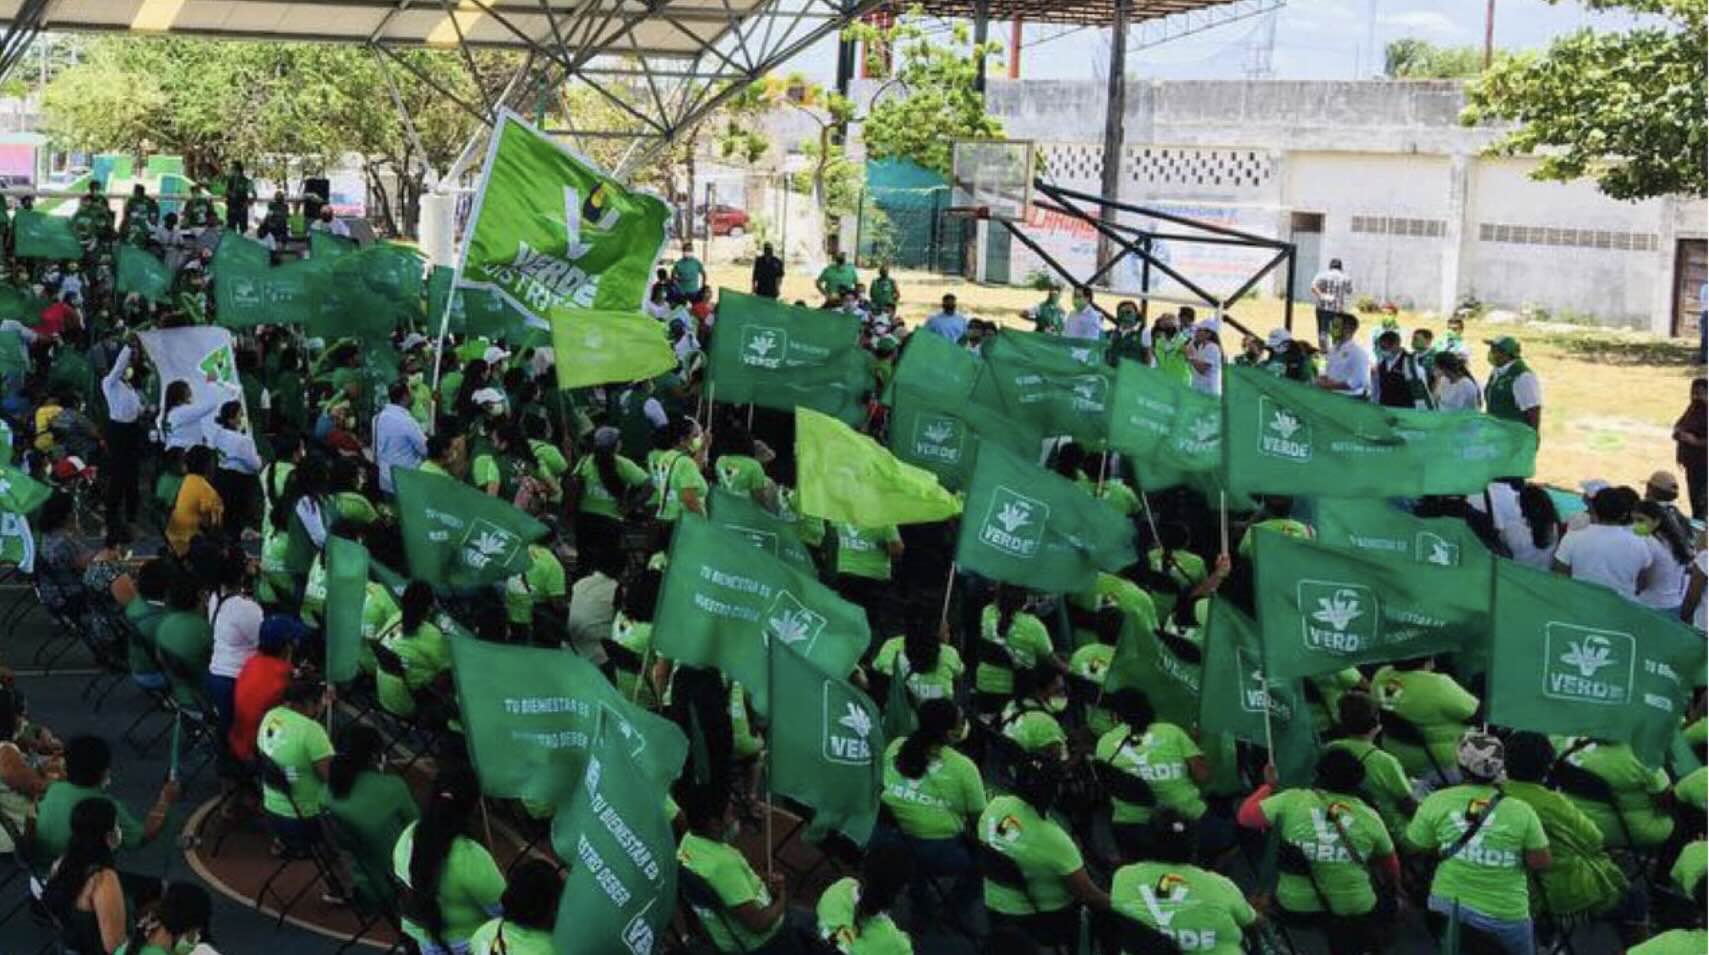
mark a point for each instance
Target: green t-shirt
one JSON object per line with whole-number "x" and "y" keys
{"x": 688, "y": 274}
{"x": 1185, "y": 568}
{"x": 1434, "y": 703}
{"x": 1032, "y": 727}
{"x": 1043, "y": 851}
{"x": 499, "y": 937}
{"x": 1680, "y": 941}
{"x": 636, "y": 636}
{"x": 470, "y": 886}
{"x": 1693, "y": 790}
{"x": 1634, "y": 787}
{"x": 541, "y": 582}
{"x": 373, "y": 813}
{"x": 1202, "y": 911}
{"x": 595, "y": 498}
{"x": 380, "y": 614}
{"x": 186, "y": 636}
{"x": 295, "y": 744}
{"x": 939, "y": 803}
{"x": 506, "y": 470}
{"x": 884, "y": 292}
{"x": 935, "y": 684}
{"x": 875, "y": 936}
{"x": 865, "y": 551}
{"x": 1330, "y": 687}
{"x": 1339, "y": 835}
{"x": 1092, "y": 662}
{"x": 1581, "y": 878}
{"x": 1160, "y": 757}
{"x": 1688, "y": 870}
{"x": 1027, "y": 642}
{"x": 1285, "y": 525}
{"x": 674, "y": 472}
{"x": 727, "y": 873}
{"x": 549, "y": 462}
{"x": 740, "y": 474}
{"x": 1387, "y": 787}
{"x": 834, "y": 278}
{"x": 1109, "y": 590}
{"x": 53, "y": 818}
{"x": 1487, "y": 875}
{"x": 145, "y": 617}
{"x": 353, "y": 508}
{"x": 424, "y": 655}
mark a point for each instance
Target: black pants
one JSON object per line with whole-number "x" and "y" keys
{"x": 237, "y": 217}
{"x": 124, "y": 464}
{"x": 1057, "y": 929}
{"x": 1697, "y": 486}
{"x": 237, "y": 492}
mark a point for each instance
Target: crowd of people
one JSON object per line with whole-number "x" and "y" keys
{"x": 1021, "y": 798}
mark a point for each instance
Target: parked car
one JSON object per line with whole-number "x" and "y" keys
{"x": 728, "y": 220}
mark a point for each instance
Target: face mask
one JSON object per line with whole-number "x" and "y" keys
{"x": 1079, "y": 303}
{"x": 1643, "y": 528}
{"x": 415, "y": 378}
{"x": 1057, "y": 704}
{"x": 959, "y": 734}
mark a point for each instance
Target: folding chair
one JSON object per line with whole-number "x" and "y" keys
{"x": 106, "y": 635}
{"x": 891, "y": 831}
{"x": 21, "y": 863}
{"x": 63, "y": 597}
{"x": 315, "y": 847}
{"x": 373, "y": 905}
{"x": 194, "y": 714}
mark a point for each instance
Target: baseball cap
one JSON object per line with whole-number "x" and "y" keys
{"x": 1278, "y": 337}
{"x": 1506, "y": 344}
{"x": 413, "y": 341}
{"x": 1665, "y": 483}
{"x": 280, "y": 630}
{"x": 487, "y": 396}
{"x": 1481, "y": 755}
{"x": 494, "y": 355}
{"x": 606, "y": 437}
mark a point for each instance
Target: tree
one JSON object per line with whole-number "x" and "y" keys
{"x": 938, "y": 102}
{"x": 1410, "y": 58}
{"x": 1624, "y": 109}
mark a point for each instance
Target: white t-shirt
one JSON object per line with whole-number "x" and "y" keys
{"x": 1606, "y": 554}
{"x": 1664, "y": 582}
{"x": 237, "y": 632}
{"x": 1350, "y": 364}
{"x": 1460, "y": 395}
{"x": 1085, "y": 323}
{"x": 1209, "y": 381}
{"x": 1510, "y": 523}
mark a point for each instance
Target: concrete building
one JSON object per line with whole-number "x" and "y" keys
{"x": 1379, "y": 174}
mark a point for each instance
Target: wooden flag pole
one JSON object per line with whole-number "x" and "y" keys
{"x": 1222, "y": 509}
{"x": 949, "y": 587}
{"x": 1103, "y": 466}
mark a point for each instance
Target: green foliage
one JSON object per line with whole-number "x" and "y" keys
{"x": 938, "y": 103}
{"x": 877, "y": 235}
{"x": 1624, "y": 109}
{"x": 1410, "y": 58}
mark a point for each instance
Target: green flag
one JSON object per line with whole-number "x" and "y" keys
{"x": 37, "y": 235}
{"x": 824, "y": 741}
{"x": 475, "y": 312}
{"x": 325, "y": 245}
{"x": 943, "y": 434}
{"x": 20, "y": 493}
{"x": 1323, "y": 609}
{"x": 1283, "y": 437}
{"x": 782, "y": 356}
{"x": 1024, "y": 525}
{"x": 1578, "y": 659}
{"x": 765, "y": 530}
{"x": 550, "y": 231}
{"x": 597, "y": 348}
{"x": 367, "y": 293}
{"x": 139, "y": 271}
{"x": 722, "y": 602}
{"x": 530, "y": 715}
{"x": 614, "y": 835}
{"x": 249, "y": 292}
{"x": 843, "y": 475}
{"x": 1374, "y": 525}
{"x": 346, "y": 595}
{"x": 455, "y": 536}
{"x": 21, "y": 305}
{"x": 1061, "y": 385}
{"x": 1173, "y": 433}
{"x": 1236, "y": 696}
{"x": 1164, "y": 667}
{"x": 933, "y": 364}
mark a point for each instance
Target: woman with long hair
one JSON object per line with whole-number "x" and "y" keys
{"x": 854, "y": 913}
{"x": 176, "y": 923}
{"x": 1532, "y": 539}
{"x": 1053, "y": 880}
{"x": 675, "y": 467}
{"x": 1662, "y": 585}
{"x": 186, "y": 417}
{"x": 370, "y": 805}
{"x": 83, "y": 891}
{"x": 604, "y": 485}
{"x": 1009, "y": 639}
{"x": 198, "y": 507}
{"x": 1456, "y": 389}
{"x": 311, "y": 513}
{"x": 929, "y": 667}
{"x": 419, "y": 647}
{"x": 933, "y": 795}
{"x": 1030, "y": 719}
{"x": 451, "y": 883}
{"x": 1160, "y": 755}
{"x": 530, "y": 913}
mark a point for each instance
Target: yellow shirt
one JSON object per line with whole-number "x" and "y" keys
{"x": 198, "y": 506}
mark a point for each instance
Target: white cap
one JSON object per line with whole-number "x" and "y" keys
{"x": 487, "y": 396}
{"x": 494, "y": 355}
{"x": 413, "y": 341}
{"x": 1278, "y": 337}
{"x": 1212, "y": 325}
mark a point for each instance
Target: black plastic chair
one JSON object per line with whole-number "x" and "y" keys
{"x": 316, "y": 847}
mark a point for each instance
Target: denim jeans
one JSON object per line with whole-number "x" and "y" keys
{"x": 1515, "y": 937}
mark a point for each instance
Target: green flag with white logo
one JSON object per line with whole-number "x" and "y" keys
{"x": 620, "y": 890}
{"x": 530, "y": 715}
{"x": 597, "y": 348}
{"x": 1284, "y": 437}
{"x": 137, "y": 270}
{"x": 346, "y": 595}
{"x": 724, "y": 601}
{"x": 943, "y": 434}
{"x": 1375, "y": 526}
{"x": 1323, "y": 608}
{"x": 1024, "y": 525}
{"x": 37, "y": 235}
{"x": 1170, "y": 669}
{"x": 933, "y": 364}
{"x": 1059, "y": 385}
{"x": 457, "y": 537}
{"x": 782, "y": 356}
{"x": 1236, "y": 695}
{"x": 20, "y": 495}
{"x": 324, "y": 245}
{"x": 551, "y": 231}
{"x": 771, "y": 534}
{"x": 1173, "y": 433}
{"x": 1578, "y": 659}
{"x": 824, "y": 741}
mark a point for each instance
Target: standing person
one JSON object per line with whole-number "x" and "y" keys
{"x": 450, "y": 884}
{"x": 1204, "y": 357}
{"x": 1131, "y": 339}
{"x": 126, "y": 433}
{"x": 752, "y": 914}
{"x": 236, "y": 620}
{"x": 1582, "y": 879}
{"x": 236, "y": 478}
{"x": 197, "y": 506}
{"x": 836, "y": 276}
{"x": 885, "y": 295}
{"x": 1085, "y": 321}
{"x": 371, "y": 806}
{"x": 933, "y": 792}
{"x": 1349, "y": 369}
{"x": 768, "y": 273}
{"x": 1047, "y": 315}
{"x": 1488, "y": 844}
{"x": 1513, "y": 392}
{"x": 1330, "y": 290}
{"x": 1690, "y": 438}
{"x": 687, "y": 275}
{"x": 947, "y": 323}
{"x": 1169, "y": 349}
{"x": 1456, "y": 389}
{"x": 1162, "y": 758}
{"x": 1606, "y": 551}
{"x": 1398, "y": 381}
{"x": 398, "y": 438}
{"x": 1019, "y": 827}
{"x": 239, "y": 191}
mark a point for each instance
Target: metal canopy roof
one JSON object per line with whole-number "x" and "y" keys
{"x": 1077, "y": 12}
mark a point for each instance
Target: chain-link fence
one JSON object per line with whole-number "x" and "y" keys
{"x": 903, "y": 220}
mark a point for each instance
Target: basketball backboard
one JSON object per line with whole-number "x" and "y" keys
{"x": 992, "y": 176}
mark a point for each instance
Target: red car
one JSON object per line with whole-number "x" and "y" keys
{"x": 728, "y": 220}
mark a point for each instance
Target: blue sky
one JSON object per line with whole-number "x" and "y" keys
{"x": 1315, "y": 39}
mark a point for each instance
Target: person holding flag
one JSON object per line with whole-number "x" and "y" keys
{"x": 1052, "y": 877}
{"x": 752, "y": 914}
{"x": 1148, "y": 765}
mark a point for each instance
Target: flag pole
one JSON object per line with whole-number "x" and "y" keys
{"x": 1103, "y": 466}
{"x": 487, "y": 822}
{"x": 1222, "y": 510}
{"x": 949, "y": 587}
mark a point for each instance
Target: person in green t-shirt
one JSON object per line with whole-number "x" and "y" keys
{"x": 866, "y": 552}
{"x": 687, "y": 275}
{"x": 1582, "y": 880}
{"x": 1090, "y": 664}
{"x": 292, "y": 739}
{"x": 185, "y": 640}
{"x": 675, "y": 467}
{"x": 1679, "y": 941}
{"x": 739, "y": 470}
{"x": 835, "y": 277}
{"x": 1198, "y": 910}
{"x": 1011, "y": 639}
{"x": 853, "y": 914}
{"x": 885, "y": 295}
{"x": 1608, "y": 783}
{"x": 175, "y": 923}
{"x": 1487, "y": 843}
{"x": 1336, "y": 855}
{"x": 1386, "y": 785}
{"x": 1030, "y": 719}
{"x": 630, "y": 647}
{"x": 750, "y": 912}
{"x": 1144, "y": 756}
{"x": 540, "y": 587}
{"x": 456, "y": 885}
{"x": 1047, "y": 874}
{"x": 1178, "y": 569}
{"x": 1432, "y": 707}
{"x": 530, "y": 905}
{"x": 1047, "y": 315}
{"x": 500, "y": 467}
{"x": 415, "y": 653}
{"x": 371, "y": 808}
{"x": 930, "y": 667}
{"x": 88, "y": 764}
{"x": 933, "y": 792}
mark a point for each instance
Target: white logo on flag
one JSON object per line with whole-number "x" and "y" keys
{"x": 764, "y": 346}
{"x": 485, "y": 543}
{"x": 1281, "y": 434}
{"x": 1337, "y": 617}
{"x": 1586, "y": 665}
{"x": 846, "y": 733}
{"x": 1014, "y": 523}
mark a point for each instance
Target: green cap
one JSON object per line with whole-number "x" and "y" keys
{"x": 1506, "y": 344}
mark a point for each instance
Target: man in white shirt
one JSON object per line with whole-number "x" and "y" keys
{"x": 1204, "y": 357}
{"x": 1349, "y": 369}
{"x": 1330, "y": 289}
{"x": 398, "y": 438}
{"x": 1085, "y": 321}
{"x": 329, "y": 223}
{"x": 1606, "y": 551}
{"x": 126, "y": 435}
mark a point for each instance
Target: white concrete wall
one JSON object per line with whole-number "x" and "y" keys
{"x": 1371, "y": 190}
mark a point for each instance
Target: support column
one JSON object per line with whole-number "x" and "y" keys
{"x": 1454, "y": 233}
{"x": 1115, "y": 105}
{"x": 1015, "y": 50}
{"x": 981, "y": 31}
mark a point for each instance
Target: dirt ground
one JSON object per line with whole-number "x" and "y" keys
{"x": 1610, "y": 397}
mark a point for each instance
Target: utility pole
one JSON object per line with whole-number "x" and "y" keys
{"x": 1115, "y": 105}
{"x": 1489, "y": 32}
